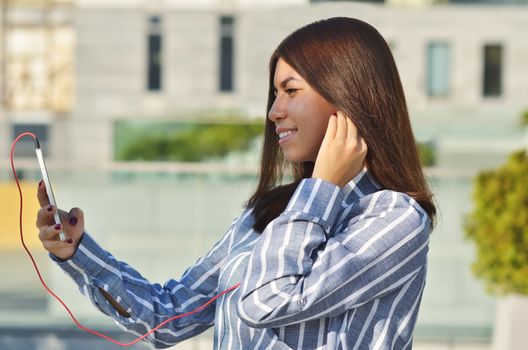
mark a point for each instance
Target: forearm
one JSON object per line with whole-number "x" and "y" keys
{"x": 122, "y": 293}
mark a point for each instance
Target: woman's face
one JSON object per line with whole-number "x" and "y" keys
{"x": 300, "y": 115}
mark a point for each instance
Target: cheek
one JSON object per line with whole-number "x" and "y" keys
{"x": 311, "y": 119}
{"x": 317, "y": 133}
{"x": 320, "y": 128}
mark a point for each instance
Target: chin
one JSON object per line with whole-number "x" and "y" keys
{"x": 298, "y": 158}
{"x": 298, "y": 154}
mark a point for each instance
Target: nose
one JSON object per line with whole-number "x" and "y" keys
{"x": 277, "y": 111}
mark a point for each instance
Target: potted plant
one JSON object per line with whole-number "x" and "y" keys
{"x": 498, "y": 225}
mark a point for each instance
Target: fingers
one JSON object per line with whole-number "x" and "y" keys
{"x": 331, "y": 128}
{"x": 68, "y": 220}
{"x": 53, "y": 245}
{"x": 47, "y": 233}
{"x": 341, "y": 157}
{"x": 42, "y": 195}
{"x": 75, "y": 216}
{"x": 49, "y": 230}
{"x": 353, "y": 136}
{"x": 341, "y": 133}
{"x": 45, "y": 216}
{"x": 363, "y": 143}
{"x": 352, "y": 132}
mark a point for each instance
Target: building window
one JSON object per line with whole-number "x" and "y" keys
{"x": 154, "y": 53}
{"x": 492, "y": 70}
{"x": 26, "y": 146}
{"x": 438, "y": 69}
{"x": 226, "y": 71}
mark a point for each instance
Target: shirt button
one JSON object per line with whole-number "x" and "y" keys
{"x": 301, "y": 301}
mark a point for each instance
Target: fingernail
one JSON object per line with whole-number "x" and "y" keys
{"x": 73, "y": 221}
{"x": 50, "y": 208}
{"x": 70, "y": 241}
{"x": 58, "y": 227}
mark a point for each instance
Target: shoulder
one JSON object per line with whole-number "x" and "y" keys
{"x": 385, "y": 221}
{"x": 389, "y": 208}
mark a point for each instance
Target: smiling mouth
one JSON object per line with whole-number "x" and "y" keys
{"x": 285, "y": 135}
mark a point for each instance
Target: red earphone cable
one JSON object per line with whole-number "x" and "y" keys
{"x": 80, "y": 326}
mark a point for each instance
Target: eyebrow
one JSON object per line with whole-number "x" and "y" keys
{"x": 284, "y": 82}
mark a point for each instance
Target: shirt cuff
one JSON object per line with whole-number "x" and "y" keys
{"x": 317, "y": 200}
{"x": 89, "y": 257}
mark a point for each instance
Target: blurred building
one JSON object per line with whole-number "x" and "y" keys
{"x": 36, "y": 67}
{"x": 71, "y": 69}
{"x": 461, "y": 64}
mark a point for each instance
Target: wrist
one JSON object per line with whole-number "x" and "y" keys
{"x": 330, "y": 180}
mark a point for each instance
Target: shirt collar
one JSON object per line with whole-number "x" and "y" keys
{"x": 361, "y": 185}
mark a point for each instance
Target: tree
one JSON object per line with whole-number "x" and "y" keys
{"x": 498, "y": 225}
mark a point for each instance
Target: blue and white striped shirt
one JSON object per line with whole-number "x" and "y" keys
{"x": 340, "y": 268}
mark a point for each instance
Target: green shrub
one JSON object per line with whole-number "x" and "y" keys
{"x": 524, "y": 118}
{"x": 498, "y": 225}
{"x": 427, "y": 153}
{"x": 191, "y": 143}
{"x": 170, "y": 141}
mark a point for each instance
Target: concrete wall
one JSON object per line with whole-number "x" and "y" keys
{"x": 111, "y": 54}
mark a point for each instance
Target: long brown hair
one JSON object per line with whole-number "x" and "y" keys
{"x": 349, "y": 64}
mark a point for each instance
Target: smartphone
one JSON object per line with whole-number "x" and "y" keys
{"x": 47, "y": 183}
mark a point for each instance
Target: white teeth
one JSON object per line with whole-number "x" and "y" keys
{"x": 285, "y": 133}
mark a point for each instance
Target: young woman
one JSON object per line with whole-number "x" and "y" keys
{"x": 337, "y": 258}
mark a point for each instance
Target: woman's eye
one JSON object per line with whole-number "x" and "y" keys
{"x": 290, "y": 91}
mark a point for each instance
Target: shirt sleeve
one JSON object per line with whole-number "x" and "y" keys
{"x": 149, "y": 304}
{"x": 306, "y": 266}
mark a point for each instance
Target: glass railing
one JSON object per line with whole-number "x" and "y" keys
{"x": 162, "y": 218}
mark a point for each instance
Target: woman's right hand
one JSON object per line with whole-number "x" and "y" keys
{"x": 72, "y": 224}
{"x": 342, "y": 153}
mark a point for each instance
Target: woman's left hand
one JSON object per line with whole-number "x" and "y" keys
{"x": 342, "y": 153}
